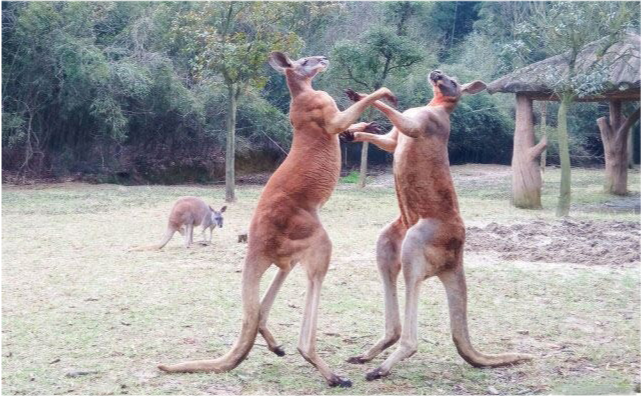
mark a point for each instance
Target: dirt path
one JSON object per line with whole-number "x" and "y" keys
{"x": 613, "y": 243}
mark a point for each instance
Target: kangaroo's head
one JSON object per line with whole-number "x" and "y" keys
{"x": 448, "y": 91}
{"x": 299, "y": 71}
{"x": 217, "y": 216}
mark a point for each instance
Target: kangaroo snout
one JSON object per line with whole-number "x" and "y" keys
{"x": 436, "y": 75}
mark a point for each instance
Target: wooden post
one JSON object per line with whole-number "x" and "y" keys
{"x": 526, "y": 175}
{"x": 362, "y": 176}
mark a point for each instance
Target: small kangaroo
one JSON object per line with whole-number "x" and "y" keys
{"x": 187, "y": 213}
{"x": 427, "y": 238}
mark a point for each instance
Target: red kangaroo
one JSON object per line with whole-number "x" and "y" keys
{"x": 285, "y": 228}
{"x": 427, "y": 239}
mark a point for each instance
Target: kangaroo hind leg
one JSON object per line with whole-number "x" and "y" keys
{"x": 265, "y": 307}
{"x": 456, "y": 290}
{"x": 388, "y": 260}
{"x": 415, "y": 269}
{"x": 316, "y": 263}
{"x": 253, "y": 271}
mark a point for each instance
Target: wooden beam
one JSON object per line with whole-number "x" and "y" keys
{"x": 624, "y": 96}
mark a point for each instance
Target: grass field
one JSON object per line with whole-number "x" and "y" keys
{"x": 81, "y": 315}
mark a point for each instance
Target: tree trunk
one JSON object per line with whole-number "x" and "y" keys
{"x": 630, "y": 151}
{"x": 362, "y": 178}
{"x": 614, "y": 135}
{"x": 565, "y": 194}
{"x": 544, "y": 134}
{"x": 526, "y": 175}
{"x": 230, "y": 152}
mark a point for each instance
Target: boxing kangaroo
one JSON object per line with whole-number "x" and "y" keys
{"x": 285, "y": 228}
{"x": 427, "y": 239}
{"x": 187, "y": 213}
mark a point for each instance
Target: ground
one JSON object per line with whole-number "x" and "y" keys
{"x": 81, "y": 315}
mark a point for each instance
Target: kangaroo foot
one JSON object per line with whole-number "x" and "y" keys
{"x": 339, "y": 382}
{"x": 375, "y": 374}
{"x": 279, "y": 351}
{"x": 357, "y": 360}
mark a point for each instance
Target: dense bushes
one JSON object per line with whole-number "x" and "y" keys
{"x": 93, "y": 89}
{"x": 107, "y": 90}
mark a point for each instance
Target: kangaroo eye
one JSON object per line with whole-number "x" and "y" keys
{"x": 305, "y": 63}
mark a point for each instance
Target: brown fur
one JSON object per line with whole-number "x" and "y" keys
{"x": 285, "y": 228}
{"x": 429, "y": 231}
{"x": 187, "y": 213}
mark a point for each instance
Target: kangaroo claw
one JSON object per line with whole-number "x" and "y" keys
{"x": 337, "y": 381}
{"x": 353, "y": 95}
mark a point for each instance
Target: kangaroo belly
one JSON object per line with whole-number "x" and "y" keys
{"x": 286, "y": 215}
{"x": 424, "y": 186}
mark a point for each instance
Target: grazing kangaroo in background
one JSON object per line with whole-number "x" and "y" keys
{"x": 427, "y": 239}
{"x": 187, "y": 213}
{"x": 285, "y": 228}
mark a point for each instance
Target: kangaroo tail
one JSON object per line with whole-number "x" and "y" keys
{"x": 456, "y": 289}
{"x": 252, "y": 272}
{"x": 165, "y": 239}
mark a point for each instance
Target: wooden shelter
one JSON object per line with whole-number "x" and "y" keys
{"x": 529, "y": 84}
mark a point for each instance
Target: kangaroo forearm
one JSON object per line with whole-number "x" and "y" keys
{"x": 383, "y": 142}
{"x": 405, "y": 125}
{"x": 344, "y": 119}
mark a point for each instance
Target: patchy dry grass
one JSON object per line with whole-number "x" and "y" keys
{"x": 75, "y": 300}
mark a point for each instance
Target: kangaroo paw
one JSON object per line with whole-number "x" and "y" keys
{"x": 373, "y": 127}
{"x": 279, "y": 351}
{"x": 352, "y": 95}
{"x": 337, "y": 381}
{"x": 375, "y": 374}
{"x": 357, "y": 360}
{"x": 346, "y": 136}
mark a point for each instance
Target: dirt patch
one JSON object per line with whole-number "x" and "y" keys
{"x": 469, "y": 177}
{"x": 612, "y": 243}
{"x": 628, "y": 203}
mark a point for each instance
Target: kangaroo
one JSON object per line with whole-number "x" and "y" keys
{"x": 187, "y": 213}
{"x": 285, "y": 228}
{"x": 427, "y": 238}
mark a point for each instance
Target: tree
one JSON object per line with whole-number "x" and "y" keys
{"x": 232, "y": 40}
{"x": 565, "y": 28}
{"x": 453, "y": 20}
{"x": 615, "y": 134}
{"x": 382, "y": 51}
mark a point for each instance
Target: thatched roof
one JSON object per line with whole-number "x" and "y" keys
{"x": 623, "y": 69}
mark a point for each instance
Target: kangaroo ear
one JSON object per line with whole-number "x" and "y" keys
{"x": 224, "y": 208}
{"x": 473, "y": 88}
{"x": 279, "y": 61}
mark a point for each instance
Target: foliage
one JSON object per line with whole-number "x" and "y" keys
{"x": 481, "y": 132}
{"x": 233, "y": 39}
{"x": 351, "y": 178}
{"x": 136, "y": 90}
{"x": 565, "y": 28}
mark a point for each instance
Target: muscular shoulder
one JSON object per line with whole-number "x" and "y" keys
{"x": 431, "y": 118}
{"x": 313, "y": 108}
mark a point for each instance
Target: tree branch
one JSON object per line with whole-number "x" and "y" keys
{"x": 536, "y": 150}
{"x": 408, "y": 64}
{"x": 622, "y": 132}
{"x": 351, "y": 76}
